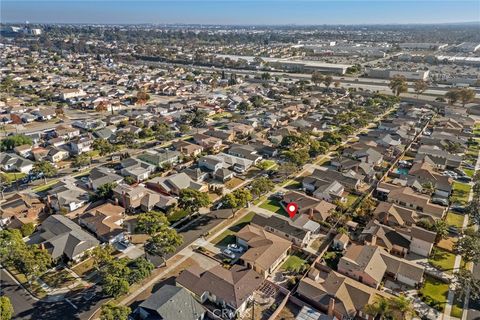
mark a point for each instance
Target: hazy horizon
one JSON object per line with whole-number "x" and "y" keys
{"x": 235, "y": 12}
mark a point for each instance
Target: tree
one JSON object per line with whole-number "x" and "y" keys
{"x": 379, "y": 308}
{"x": 27, "y": 229}
{"x": 199, "y": 119}
{"x": 420, "y": 86}
{"x": 101, "y": 256}
{"x": 11, "y": 243}
{"x": 401, "y": 307}
{"x": 469, "y": 248}
{"x": 104, "y": 147}
{"x": 298, "y": 157}
{"x": 102, "y": 106}
{"x": 346, "y": 130}
{"x": 45, "y": 168}
{"x": 111, "y": 311}
{"x": 266, "y": 76}
{"x": 33, "y": 261}
{"x": 327, "y": 81}
{"x": 80, "y": 161}
{"x": 140, "y": 268}
{"x": 163, "y": 243}
{"x": 260, "y": 186}
{"x": 317, "y": 147}
{"x": 105, "y": 191}
{"x": 337, "y": 84}
{"x": 244, "y": 106}
{"x": 142, "y": 97}
{"x": 13, "y": 141}
{"x": 6, "y": 308}
{"x": 243, "y": 196}
{"x": 115, "y": 286}
{"x": 257, "y": 101}
{"x": 466, "y": 282}
{"x": 332, "y": 138}
{"x": 151, "y": 222}
{"x": 184, "y": 128}
{"x": 441, "y": 228}
{"x": 192, "y": 200}
{"x": 452, "y": 96}
{"x": 317, "y": 77}
{"x": 466, "y": 95}
{"x": 398, "y": 84}
{"x": 286, "y": 169}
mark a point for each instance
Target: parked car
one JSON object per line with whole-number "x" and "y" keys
{"x": 440, "y": 201}
{"x": 453, "y": 230}
{"x": 235, "y": 247}
{"x": 465, "y": 179}
{"x": 458, "y": 208}
{"x": 228, "y": 253}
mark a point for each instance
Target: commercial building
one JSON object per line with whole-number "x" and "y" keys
{"x": 390, "y": 73}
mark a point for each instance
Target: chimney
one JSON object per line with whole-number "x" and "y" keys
{"x": 385, "y": 218}
{"x": 331, "y": 306}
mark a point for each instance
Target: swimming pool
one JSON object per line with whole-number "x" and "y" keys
{"x": 402, "y": 171}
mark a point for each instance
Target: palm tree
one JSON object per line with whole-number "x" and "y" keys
{"x": 401, "y": 307}
{"x": 420, "y": 86}
{"x": 379, "y": 308}
{"x": 398, "y": 84}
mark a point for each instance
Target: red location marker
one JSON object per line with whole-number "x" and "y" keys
{"x": 292, "y": 208}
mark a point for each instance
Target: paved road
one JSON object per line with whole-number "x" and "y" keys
{"x": 25, "y": 307}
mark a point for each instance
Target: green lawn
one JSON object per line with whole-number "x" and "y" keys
{"x": 266, "y": 164}
{"x": 442, "y": 259}
{"x": 34, "y": 287}
{"x": 454, "y": 219}
{"x": 58, "y": 279}
{"x": 293, "y": 263}
{"x": 457, "y": 308}
{"x": 332, "y": 259}
{"x": 434, "y": 292}
{"x": 228, "y": 236}
{"x": 44, "y": 187}
{"x": 469, "y": 172}
{"x": 177, "y": 215}
{"x": 273, "y": 206}
{"x": 83, "y": 267}
{"x": 12, "y": 176}
{"x": 351, "y": 198}
{"x": 461, "y": 192}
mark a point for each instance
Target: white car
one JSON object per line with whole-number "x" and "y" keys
{"x": 234, "y": 247}
{"x": 228, "y": 253}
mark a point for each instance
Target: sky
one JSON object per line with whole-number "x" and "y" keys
{"x": 228, "y": 12}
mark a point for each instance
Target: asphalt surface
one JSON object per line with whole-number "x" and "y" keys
{"x": 473, "y": 312}
{"x": 81, "y": 306}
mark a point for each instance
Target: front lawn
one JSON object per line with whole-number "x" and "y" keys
{"x": 273, "y": 206}
{"x": 434, "y": 292}
{"x": 83, "y": 267}
{"x": 58, "y": 279}
{"x": 461, "y": 192}
{"x": 233, "y": 183}
{"x": 442, "y": 260}
{"x": 228, "y": 236}
{"x": 177, "y": 215}
{"x": 294, "y": 263}
{"x": 457, "y": 308}
{"x": 351, "y": 198}
{"x": 454, "y": 219}
{"x": 12, "y": 176}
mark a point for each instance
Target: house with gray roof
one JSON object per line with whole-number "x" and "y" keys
{"x": 102, "y": 175}
{"x": 12, "y": 162}
{"x": 63, "y": 238}
{"x": 170, "y": 302}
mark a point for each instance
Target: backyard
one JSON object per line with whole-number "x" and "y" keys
{"x": 294, "y": 263}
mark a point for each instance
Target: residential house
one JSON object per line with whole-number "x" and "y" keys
{"x": 137, "y": 169}
{"x": 394, "y": 215}
{"x": 265, "y": 251}
{"x": 283, "y": 228}
{"x": 161, "y": 157}
{"x": 440, "y": 158}
{"x": 338, "y": 296}
{"x": 24, "y": 151}
{"x": 56, "y": 155}
{"x": 100, "y": 176}
{"x": 227, "y": 288}
{"x": 105, "y": 221}
{"x": 207, "y": 142}
{"x": 424, "y": 173}
{"x": 81, "y": 145}
{"x": 170, "y": 302}
{"x": 20, "y": 209}
{"x": 11, "y": 162}
{"x": 187, "y": 148}
{"x": 44, "y": 114}
{"x": 316, "y": 209}
{"x": 66, "y": 132}
{"x": 340, "y": 241}
{"x": 407, "y": 197}
{"x": 246, "y": 152}
{"x": 66, "y": 196}
{"x": 63, "y": 238}
{"x": 347, "y": 180}
{"x": 132, "y": 198}
{"x": 174, "y": 183}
